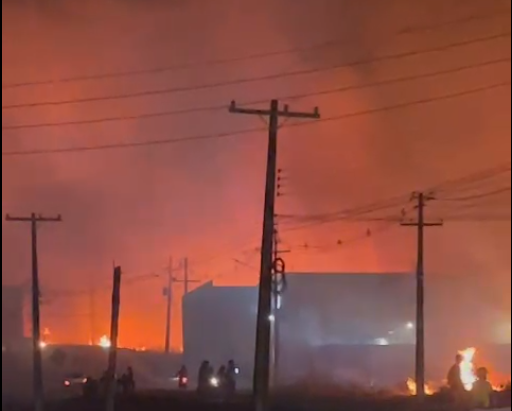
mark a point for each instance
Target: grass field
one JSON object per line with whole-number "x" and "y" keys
{"x": 289, "y": 401}
{"x": 171, "y": 401}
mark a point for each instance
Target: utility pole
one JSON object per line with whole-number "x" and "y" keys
{"x": 277, "y": 302}
{"x": 186, "y": 280}
{"x": 114, "y": 334}
{"x": 38, "y": 387}
{"x": 185, "y": 276}
{"x": 263, "y": 330}
{"x": 421, "y": 224}
{"x": 168, "y": 321}
{"x": 92, "y": 310}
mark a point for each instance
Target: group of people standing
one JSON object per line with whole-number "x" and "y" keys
{"x": 223, "y": 381}
{"x": 124, "y": 385}
{"x": 481, "y": 394}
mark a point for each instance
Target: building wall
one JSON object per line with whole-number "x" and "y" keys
{"x": 347, "y": 326}
{"x": 349, "y": 309}
{"x": 219, "y": 325}
{"x": 12, "y": 315}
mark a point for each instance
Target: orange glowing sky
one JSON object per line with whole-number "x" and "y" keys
{"x": 204, "y": 199}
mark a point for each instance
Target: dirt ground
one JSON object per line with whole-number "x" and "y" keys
{"x": 165, "y": 401}
{"x": 157, "y": 402}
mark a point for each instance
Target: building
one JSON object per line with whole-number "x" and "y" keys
{"x": 219, "y": 325}
{"x": 12, "y": 315}
{"x": 348, "y": 309}
{"x": 346, "y": 327}
{"x": 357, "y": 327}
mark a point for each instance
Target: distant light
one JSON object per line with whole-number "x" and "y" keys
{"x": 43, "y": 345}
{"x": 382, "y": 341}
{"x": 214, "y": 382}
{"x": 271, "y": 318}
{"x": 410, "y": 325}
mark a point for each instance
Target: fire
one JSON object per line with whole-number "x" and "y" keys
{"x": 467, "y": 372}
{"x": 105, "y": 342}
{"x": 413, "y": 388}
{"x": 467, "y": 368}
{"x": 499, "y": 388}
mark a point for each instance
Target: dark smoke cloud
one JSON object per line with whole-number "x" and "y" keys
{"x": 204, "y": 199}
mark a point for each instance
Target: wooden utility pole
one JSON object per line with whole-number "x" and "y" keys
{"x": 92, "y": 310}
{"x": 277, "y": 302}
{"x": 185, "y": 276}
{"x": 263, "y": 330}
{"x": 38, "y": 386}
{"x": 186, "y": 280}
{"x": 168, "y": 319}
{"x": 422, "y": 199}
{"x": 114, "y": 334}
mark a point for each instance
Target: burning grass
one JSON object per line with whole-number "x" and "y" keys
{"x": 468, "y": 375}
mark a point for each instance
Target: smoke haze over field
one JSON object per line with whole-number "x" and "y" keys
{"x": 203, "y": 199}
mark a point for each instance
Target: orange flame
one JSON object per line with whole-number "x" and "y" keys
{"x": 413, "y": 388}
{"x": 105, "y": 342}
{"x": 467, "y": 368}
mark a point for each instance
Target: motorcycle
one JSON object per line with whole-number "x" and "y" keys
{"x": 182, "y": 383}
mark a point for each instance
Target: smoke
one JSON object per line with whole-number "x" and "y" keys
{"x": 204, "y": 199}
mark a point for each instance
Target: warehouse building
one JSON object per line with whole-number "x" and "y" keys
{"x": 346, "y": 327}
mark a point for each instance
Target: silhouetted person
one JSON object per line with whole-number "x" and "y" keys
{"x": 103, "y": 384}
{"x": 222, "y": 375}
{"x": 127, "y": 381}
{"x": 231, "y": 376}
{"x": 183, "y": 378}
{"x": 482, "y": 390}
{"x": 90, "y": 388}
{"x": 455, "y": 383}
{"x": 203, "y": 378}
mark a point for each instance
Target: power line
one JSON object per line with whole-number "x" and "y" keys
{"x": 214, "y": 62}
{"x": 248, "y": 80}
{"x": 54, "y": 295}
{"x": 495, "y": 180}
{"x": 364, "y": 213}
{"x": 420, "y": 102}
{"x": 139, "y": 144}
{"x": 459, "y": 184}
{"x": 476, "y": 218}
{"x": 117, "y": 146}
{"x": 286, "y": 97}
{"x": 349, "y": 214}
{"x": 480, "y": 196}
{"x": 342, "y": 244}
{"x": 486, "y": 207}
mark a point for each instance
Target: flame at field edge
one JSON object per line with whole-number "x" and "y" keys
{"x": 413, "y": 388}
{"x": 467, "y": 368}
{"x": 105, "y": 342}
